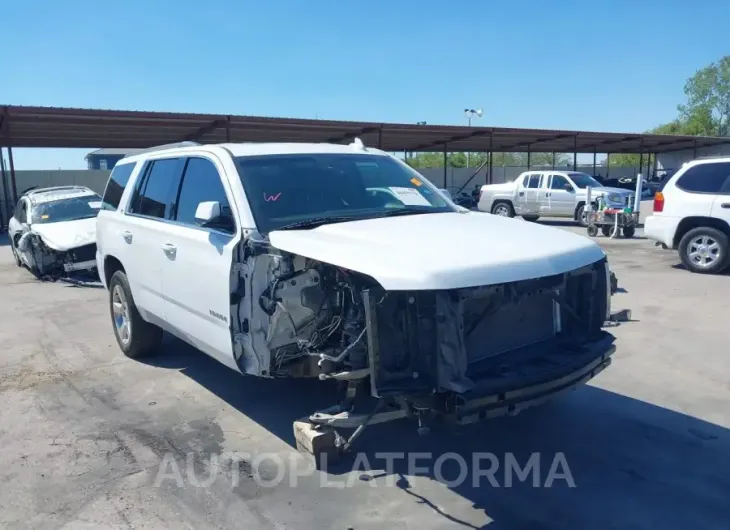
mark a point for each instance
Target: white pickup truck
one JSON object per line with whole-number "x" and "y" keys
{"x": 340, "y": 262}
{"x": 537, "y": 194}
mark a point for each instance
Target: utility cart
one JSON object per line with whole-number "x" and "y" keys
{"x": 613, "y": 220}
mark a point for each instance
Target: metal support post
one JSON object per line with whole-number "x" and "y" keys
{"x": 491, "y": 166}
{"x": 5, "y": 212}
{"x": 694, "y": 151}
{"x": 575, "y": 152}
{"x": 380, "y": 138}
{"x": 446, "y": 162}
{"x": 228, "y": 129}
{"x": 529, "y": 157}
{"x": 12, "y": 174}
{"x": 553, "y": 159}
{"x": 637, "y": 197}
{"x": 641, "y": 160}
{"x": 594, "y": 161}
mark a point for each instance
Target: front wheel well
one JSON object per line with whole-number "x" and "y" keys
{"x": 111, "y": 265}
{"x": 577, "y": 209}
{"x": 688, "y": 223}
{"x": 495, "y": 202}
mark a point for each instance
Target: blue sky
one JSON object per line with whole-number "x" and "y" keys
{"x": 610, "y": 65}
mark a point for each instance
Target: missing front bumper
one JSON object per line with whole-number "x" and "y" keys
{"x": 513, "y": 402}
{"x": 79, "y": 266}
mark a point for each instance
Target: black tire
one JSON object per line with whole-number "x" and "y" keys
{"x": 582, "y": 221}
{"x": 505, "y": 207}
{"x": 714, "y": 236}
{"x": 606, "y": 230}
{"x": 531, "y": 218}
{"x": 592, "y": 230}
{"x": 628, "y": 231}
{"x": 143, "y": 337}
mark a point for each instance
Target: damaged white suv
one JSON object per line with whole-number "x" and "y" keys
{"x": 341, "y": 262}
{"x": 53, "y": 230}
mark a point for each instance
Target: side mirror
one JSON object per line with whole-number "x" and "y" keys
{"x": 207, "y": 211}
{"x": 569, "y": 188}
{"x": 210, "y": 215}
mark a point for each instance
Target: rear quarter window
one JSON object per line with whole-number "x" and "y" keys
{"x": 706, "y": 178}
{"x": 115, "y": 186}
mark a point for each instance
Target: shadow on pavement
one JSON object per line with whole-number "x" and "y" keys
{"x": 632, "y": 464}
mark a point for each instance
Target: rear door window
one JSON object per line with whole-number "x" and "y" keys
{"x": 534, "y": 181}
{"x": 154, "y": 195}
{"x": 706, "y": 178}
{"x": 115, "y": 186}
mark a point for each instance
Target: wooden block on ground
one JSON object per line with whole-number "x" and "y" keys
{"x": 317, "y": 442}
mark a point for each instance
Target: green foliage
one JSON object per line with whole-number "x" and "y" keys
{"x": 426, "y": 160}
{"x": 707, "y": 110}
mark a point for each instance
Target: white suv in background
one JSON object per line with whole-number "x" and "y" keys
{"x": 692, "y": 215}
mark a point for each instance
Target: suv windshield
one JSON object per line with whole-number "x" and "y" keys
{"x": 66, "y": 209}
{"x": 286, "y": 190}
{"x": 583, "y": 180}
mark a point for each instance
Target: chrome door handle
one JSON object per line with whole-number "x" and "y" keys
{"x": 127, "y": 235}
{"x": 169, "y": 249}
{"x": 725, "y": 205}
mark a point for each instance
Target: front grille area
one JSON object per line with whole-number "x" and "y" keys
{"x": 444, "y": 341}
{"x": 83, "y": 253}
{"x": 494, "y": 326}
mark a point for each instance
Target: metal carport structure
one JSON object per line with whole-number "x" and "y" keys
{"x": 53, "y": 127}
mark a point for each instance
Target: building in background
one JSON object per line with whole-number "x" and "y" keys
{"x": 105, "y": 159}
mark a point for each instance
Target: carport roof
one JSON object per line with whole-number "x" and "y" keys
{"x": 22, "y": 126}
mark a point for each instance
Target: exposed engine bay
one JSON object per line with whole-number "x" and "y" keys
{"x": 48, "y": 263}
{"x": 435, "y": 350}
{"x": 304, "y": 318}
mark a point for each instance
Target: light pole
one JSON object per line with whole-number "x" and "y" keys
{"x": 469, "y": 113}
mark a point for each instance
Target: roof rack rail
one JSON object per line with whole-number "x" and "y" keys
{"x": 56, "y": 188}
{"x": 163, "y": 147}
{"x": 705, "y": 157}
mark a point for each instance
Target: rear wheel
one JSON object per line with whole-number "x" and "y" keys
{"x": 531, "y": 218}
{"x": 704, "y": 250}
{"x": 629, "y": 231}
{"x": 135, "y": 336}
{"x": 503, "y": 209}
{"x": 606, "y": 230}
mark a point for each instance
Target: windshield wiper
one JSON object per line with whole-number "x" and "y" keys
{"x": 399, "y": 211}
{"x": 317, "y": 221}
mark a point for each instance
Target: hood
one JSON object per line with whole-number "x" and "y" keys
{"x": 66, "y": 235}
{"x": 444, "y": 250}
{"x": 603, "y": 190}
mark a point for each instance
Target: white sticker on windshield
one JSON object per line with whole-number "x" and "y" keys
{"x": 95, "y": 204}
{"x": 410, "y": 196}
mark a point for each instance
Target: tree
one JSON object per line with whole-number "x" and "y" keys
{"x": 707, "y": 110}
{"x": 426, "y": 160}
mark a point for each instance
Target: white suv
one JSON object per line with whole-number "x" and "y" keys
{"x": 341, "y": 262}
{"x": 692, "y": 215}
